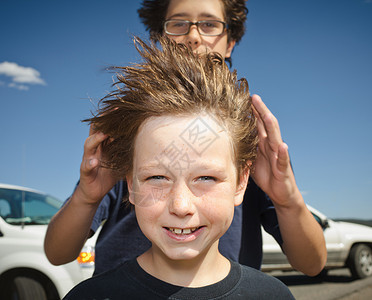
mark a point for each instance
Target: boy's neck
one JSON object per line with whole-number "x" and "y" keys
{"x": 206, "y": 269}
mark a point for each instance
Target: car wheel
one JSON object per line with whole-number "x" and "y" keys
{"x": 322, "y": 275}
{"x": 360, "y": 261}
{"x": 25, "y": 288}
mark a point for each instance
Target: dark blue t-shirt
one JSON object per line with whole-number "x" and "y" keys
{"x": 121, "y": 238}
{"x": 130, "y": 281}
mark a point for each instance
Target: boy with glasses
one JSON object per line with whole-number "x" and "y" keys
{"x": 97, "y": 197}
{"x": 182, "y": 206}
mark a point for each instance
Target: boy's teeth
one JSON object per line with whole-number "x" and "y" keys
{"x": 182, "y": 231}
{"x": 177, "y": 231}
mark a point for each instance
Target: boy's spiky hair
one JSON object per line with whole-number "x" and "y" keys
{"x": 172, "y": 80}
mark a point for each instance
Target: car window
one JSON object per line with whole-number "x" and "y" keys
{"x": 27, "y": 208}
{"x": 4, "y": 208}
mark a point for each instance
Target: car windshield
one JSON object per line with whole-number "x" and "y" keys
{"x": 19, "y": 207}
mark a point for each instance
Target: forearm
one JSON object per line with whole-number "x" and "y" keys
{"x": 303, "y": 239}
{"x": 69, "y": 229}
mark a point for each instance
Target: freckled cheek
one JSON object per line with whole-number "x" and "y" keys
{"x": 218, "y": 210}
{"x": 149, "y": 195}
{"x": 148, "y": 221}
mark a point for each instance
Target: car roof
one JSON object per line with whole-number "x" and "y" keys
{"x": 21, "y": 188}
{"x": 316, "y": 212}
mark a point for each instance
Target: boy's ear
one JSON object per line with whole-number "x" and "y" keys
{"x": 130, "y": 189}
{"x": 230, "y": 47}
{"x": 241, "y": 187}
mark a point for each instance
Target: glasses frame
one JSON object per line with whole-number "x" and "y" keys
{"x": 197, "y": 27}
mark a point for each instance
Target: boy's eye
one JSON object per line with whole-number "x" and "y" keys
{"x": 208, "y": 25}
{"x": 156, "y": 177}
{"x": 180, "y": 24}
{"x": 207, "y": 178}
{"x": 177, "y": 25}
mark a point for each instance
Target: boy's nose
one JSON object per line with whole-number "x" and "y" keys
{"x": 193, "y": 38}
{"x": 181, "y": 201}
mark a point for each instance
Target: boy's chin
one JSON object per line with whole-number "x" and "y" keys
{"x": 189, "y": 254}
{"x": 179, "y": 255}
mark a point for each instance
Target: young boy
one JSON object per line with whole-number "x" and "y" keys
{"x": 204, "y": 26}
{"x": 182, "y": 131}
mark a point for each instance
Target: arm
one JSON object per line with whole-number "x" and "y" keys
{"x": 303, "y": 239}
{"x": 70, "y": 227}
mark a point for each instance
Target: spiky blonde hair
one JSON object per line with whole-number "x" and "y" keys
{"x": 172, "y": 80}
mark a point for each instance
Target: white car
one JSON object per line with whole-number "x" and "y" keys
{"x": 25, "y": 272}
{"x": 348, "y": 245}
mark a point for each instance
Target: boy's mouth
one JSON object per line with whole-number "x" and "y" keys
{"x": 180, "y": 231}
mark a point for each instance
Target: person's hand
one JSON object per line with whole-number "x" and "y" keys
{"x": 273, "y": 172}
{"x": 95, "y": 180}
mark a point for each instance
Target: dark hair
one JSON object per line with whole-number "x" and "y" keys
{"x": 152, "y": 14}
{"x": 174, "y": 81}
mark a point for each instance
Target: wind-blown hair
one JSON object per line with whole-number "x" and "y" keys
{"x": 152, "y": 14}
{"x": 173, "y": 81}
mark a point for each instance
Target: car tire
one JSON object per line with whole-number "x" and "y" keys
{"x": 28, "y": 289}
{"x": 360, "y": 261}
{"x": 322, "y": 275}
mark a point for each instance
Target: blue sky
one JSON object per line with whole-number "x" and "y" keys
{"x": 311, "y": 61}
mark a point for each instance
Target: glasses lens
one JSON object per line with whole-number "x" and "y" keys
{"x": 176, "y": 27}
{"x": 211, "y": 27}
{"x": 181, "y": 27}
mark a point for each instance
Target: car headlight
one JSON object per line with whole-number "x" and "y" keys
{"x": 86, "y": 257}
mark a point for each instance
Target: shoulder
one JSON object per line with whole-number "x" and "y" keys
{"x": 102, "y": 285}
{"x": 255, "y": 275}
{"x": 261, "y": 285}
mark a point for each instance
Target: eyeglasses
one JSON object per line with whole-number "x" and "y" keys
{"x": 206, "y": 28}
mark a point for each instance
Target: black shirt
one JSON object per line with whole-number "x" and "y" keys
{"x": 130, "y": 281}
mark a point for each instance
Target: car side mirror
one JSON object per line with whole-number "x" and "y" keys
{"x": 324, "y": 224}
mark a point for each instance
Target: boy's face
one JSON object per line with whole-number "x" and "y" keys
{"x": 200, "y": 10}
{"x": 184, "y": 185}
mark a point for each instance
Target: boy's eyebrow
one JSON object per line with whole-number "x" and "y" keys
{"x": 149, "y": 167}
{"x": 203, "y": 15}
{"x": 212, "y": 167}
{"x": 204, "y": 167}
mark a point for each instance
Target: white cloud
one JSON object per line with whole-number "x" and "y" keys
{"x": 21, "y": 87}
{"x": 20, "y": 75}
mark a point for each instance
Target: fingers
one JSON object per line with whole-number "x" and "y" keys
{"x": 91, "y": 130}
{"x": 92, "y": 151}
{"x": 271, "y": 144}
{"x": 283, "y": 158}
{"x": 260, "y": 125}
{"x": 273, "y": 172}
{"x": 267, "y": 124}
{"x": 93, "y": 141}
